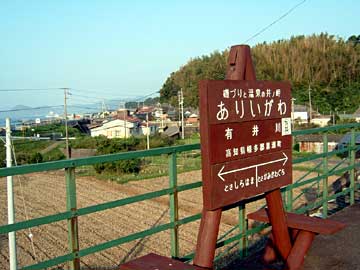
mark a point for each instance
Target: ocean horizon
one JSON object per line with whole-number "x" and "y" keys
{"x": 20, "y": 116}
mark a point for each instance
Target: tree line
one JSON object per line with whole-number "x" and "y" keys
{"x": 326, "y": 66}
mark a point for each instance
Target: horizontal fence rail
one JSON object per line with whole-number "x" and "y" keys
{"x": 240, "y": 239}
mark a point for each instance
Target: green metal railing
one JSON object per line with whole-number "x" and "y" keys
{"x": 239, "y": 240}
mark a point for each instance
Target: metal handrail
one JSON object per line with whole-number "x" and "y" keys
{"x": 73, "y": 213}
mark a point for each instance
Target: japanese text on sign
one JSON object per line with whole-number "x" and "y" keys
{"x": 262, "y": 106}
{"x": 245, "y": 137}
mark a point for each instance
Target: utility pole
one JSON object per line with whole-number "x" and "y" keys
{"x": 123, "y": 105}
{"x": 181, "y": 111}
{"x": 147, "y": 131}
{"x": 293, "y": 112}
{"x": 310, "y": 107}
{"x": 125, "y": 123}
{"x": 103, "y": 108}
{"x": 66, "y": 123}
{"x": 10, "y": 199}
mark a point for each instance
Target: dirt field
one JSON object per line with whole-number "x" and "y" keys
{"x": 44, "y": 194}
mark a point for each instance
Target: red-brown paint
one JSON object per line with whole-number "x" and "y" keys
{"x": 254, "y": 113}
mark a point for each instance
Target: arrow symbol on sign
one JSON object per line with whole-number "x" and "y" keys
{"x": 221, "y": 173}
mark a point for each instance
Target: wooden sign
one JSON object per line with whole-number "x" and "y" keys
{"x": 245, "y": 139}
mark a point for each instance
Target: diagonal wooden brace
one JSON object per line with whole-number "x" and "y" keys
{"x": 298, "y": 251}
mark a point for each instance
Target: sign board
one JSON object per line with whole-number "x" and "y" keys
{"x": 245, "y": 139}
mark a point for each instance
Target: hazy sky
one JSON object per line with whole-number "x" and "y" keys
{"x": 128, "y": 48}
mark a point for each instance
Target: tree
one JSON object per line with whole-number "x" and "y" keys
{"x": 355, "y": 40}
{"x": 327, "y": 64}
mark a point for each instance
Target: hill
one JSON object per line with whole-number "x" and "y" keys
{"x": 327, "y": 65}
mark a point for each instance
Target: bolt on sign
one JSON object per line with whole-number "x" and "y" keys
{"x": 245, "y": 139}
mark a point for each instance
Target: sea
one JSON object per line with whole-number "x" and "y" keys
{"x": 20, "y": 114}
{"x": 31, "y": 114}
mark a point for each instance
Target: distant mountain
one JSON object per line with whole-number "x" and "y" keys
{"x": 21, "y": 107}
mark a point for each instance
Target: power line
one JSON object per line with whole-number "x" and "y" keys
{"x": 29, "y": 89}
{"x": 100, "y": 91}
{"x": 274, "y": 22}
{"x": 142, "y": 97}
{"x": 45, "y": 107}
{"x": 84, "y": 107}
{"x": 31, "y": 109}
{"x": 86, "y": 97}
{"x": 72, "y": 105}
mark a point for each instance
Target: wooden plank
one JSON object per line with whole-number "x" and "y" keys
{"x": 301, "y": 222}
{"x": 153, "y": 261}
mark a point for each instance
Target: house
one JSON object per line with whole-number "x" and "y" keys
{"x": 300, "y": 114}
{"x": 81, "y": 125}
{"x": 192, "y": 120}
{"x": 159, "y": 113}
{"x": 145, "y": 113}
{"x": 321, "y": 121}
{"x": 148, "y": 129}
{"x": 314, "y": 142}
{"x": 172, "y": 132}
{"x": 356, "y": 115}
{"x": 123, "y": 128}
{"x": 346, "y": 141}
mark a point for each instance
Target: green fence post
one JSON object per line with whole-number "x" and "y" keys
{"x": 325, "y": 173}
{"x": 352, "y": 171}
{"x": 174, "y": 213}
{"x": 73, "y": 234}
{"x": 242, "y": 230}
{"x": 289, "y": 198}
{"x": 289, "y": 191}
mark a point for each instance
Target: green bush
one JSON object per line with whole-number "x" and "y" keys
{"x": 53, "y": 155}
{"x": 87, "y": 142}
{"x": 35, "y": 158}
{"x": 112, "y": 146}
{"x": 296, "y": 147}
{"x": 120, "y": 167}
{"x": 48, "y": 130}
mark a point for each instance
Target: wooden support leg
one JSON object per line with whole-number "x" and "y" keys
{"x": 206, "y": 242}
{"x": 278, "y": 222}
{"x": 270, "y": 254}
{"x": 301, "y": 246}
{"x": 269, "y": 251}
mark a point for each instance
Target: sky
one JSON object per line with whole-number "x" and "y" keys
{"x": 126, "y": 49}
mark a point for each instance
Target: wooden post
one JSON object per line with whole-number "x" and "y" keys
{"x": 206, "y": 242}
{"x": 278, "y": 222}
{"x": 240, "y": 67}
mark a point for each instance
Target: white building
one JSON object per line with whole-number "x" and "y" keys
{"x": 300, "y": 114}
{"x": 122, "y": 129}
{"x": 321, "y": 121}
